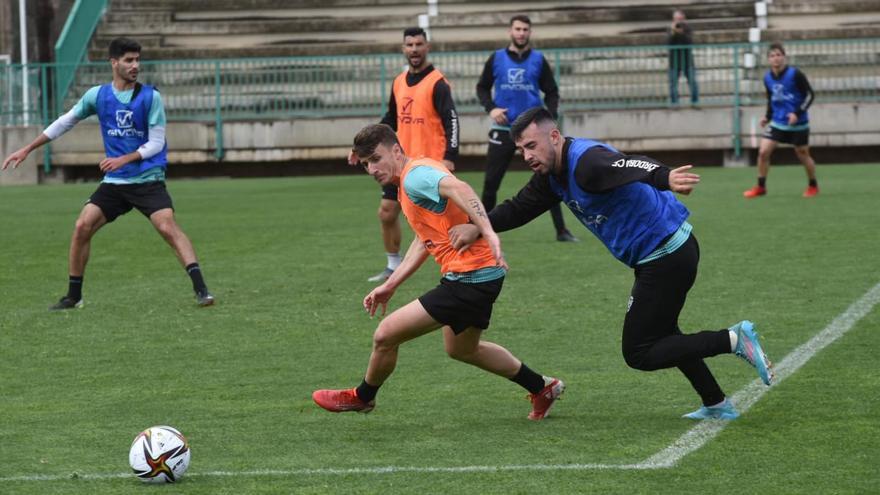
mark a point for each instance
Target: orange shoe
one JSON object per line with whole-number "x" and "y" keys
{"x": 755, "y": 192}
{"x": 544, "y": 400}
{"x": 811, "y": 191}
{"x": 342, "y": 401}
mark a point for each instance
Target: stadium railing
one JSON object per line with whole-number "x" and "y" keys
{"x": 605, "y": 78}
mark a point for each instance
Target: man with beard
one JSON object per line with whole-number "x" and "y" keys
{"x": 518, "y": 75}
{"x": 132, "y": 121}
{"x": 422, "y": 113}
{"x": 627, "y": 202}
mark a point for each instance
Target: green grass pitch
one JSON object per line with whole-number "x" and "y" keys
{"x": 288, "y": 261}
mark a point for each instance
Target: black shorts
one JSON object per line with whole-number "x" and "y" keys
{"x": 794, "y": 138}
{"x": 389, "y": 192}
{"x": 461, "y": 305}
{"x": 118, "y": 199}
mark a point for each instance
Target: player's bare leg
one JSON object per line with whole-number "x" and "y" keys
{"x": 405, "y": 324}
{"x": 468, "y": 347}
{"x": 803, "y": 154}
{"x": 90, "y": 220}
{"x": 764, "y": 151}
{"x": 164, "y": 223}
{"x": 389, "y": 220}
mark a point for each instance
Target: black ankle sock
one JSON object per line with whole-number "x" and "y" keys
{"x": 195, "y": 273}
{"x": 366, "y": 392}
{"x": 74, "y": 287}
{"x": 528, "y": 379}
{"x": 762, "y": 181}
{"x": 813, "y": 183}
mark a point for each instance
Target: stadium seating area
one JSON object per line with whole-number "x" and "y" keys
{"x": 234, "y": 29}
{"x": 182, "y": 29}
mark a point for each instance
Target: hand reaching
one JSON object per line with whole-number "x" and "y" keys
{"x": 682, "y": 181}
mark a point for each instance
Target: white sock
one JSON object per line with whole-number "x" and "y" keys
{"x": 733, "y": 340}
{"x": 393, "y": 260}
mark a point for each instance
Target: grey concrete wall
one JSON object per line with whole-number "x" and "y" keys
{"x": 11, "y": 139}
{"x": 633, "y": 131}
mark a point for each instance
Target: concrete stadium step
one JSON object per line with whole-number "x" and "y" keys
{"x": 701, "y": 19}
{"x": 782, "y": 7}
{"x": 364, "y": 46}
{"x": 224, "y": 28}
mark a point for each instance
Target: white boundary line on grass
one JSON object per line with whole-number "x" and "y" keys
{"x": 697, "y": 436}
{"x": 689, "y": 442}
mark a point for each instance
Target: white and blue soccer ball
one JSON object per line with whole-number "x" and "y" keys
{"x": 159, "y": 454}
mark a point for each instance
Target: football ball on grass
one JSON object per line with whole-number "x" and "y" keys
{"x": 159, "y": 454}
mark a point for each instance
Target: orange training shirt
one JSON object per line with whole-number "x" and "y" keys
{"x": 419, "y": 126}
{"x": 432, "y": 228}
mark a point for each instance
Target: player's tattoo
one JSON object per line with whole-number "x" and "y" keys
{"x": 477, "y": 207}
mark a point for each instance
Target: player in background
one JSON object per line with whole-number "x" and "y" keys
{"x": 422, "y": 113}
{"x": 789, "y": 95}
{"x": 627, "y": 202}
{"x": 433, "y": 200}
{"x": 518, "y": 74}
{"x": 132, "y": 120}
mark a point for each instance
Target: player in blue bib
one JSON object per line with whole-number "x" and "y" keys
{"x": 789, "y": 95}
{"x": 132, "y": 120}
{"x": 517, "y": 75}
{"x": 627, "y": 202}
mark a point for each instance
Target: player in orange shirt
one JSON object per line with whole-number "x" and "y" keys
{"x": 433, "y": 201}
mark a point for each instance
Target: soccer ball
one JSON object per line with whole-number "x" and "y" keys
{"x": 159, "y": 455}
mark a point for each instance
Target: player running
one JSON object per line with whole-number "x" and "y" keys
{"x": 433, "y": 200}
{"x": 627, "y": 202}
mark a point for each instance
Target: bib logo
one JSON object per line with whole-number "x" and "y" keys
{"x": 405, "y": 116}
{"x": 516, "y": 80}
{"x": 124, "y": 125}
{"x": 779, "y": 93}
{"x": 516, "y": 76}
{"x": 124, "y": 119}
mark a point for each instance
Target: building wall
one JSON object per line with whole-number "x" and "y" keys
{"x": 703, "y": 132}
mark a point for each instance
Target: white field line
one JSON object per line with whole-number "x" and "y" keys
{"x": 689, "y": 442}
{"x": 697, "y": 436}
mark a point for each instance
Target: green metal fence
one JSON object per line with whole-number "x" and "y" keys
{"x": 73, "y": 43}
{"x": 589, "y": 78}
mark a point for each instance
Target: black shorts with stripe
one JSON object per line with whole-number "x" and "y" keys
{"x": 462, "y": 305}
{"x": 118, "y": 199}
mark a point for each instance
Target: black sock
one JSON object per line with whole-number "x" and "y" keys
{"x": 195, "y": 273}
{"x": 528, "y": 379}
{"x": 75, "y": 287}
{"x": 813, "y": 183}
{"x": 366, "y": 392}
{"x": 762, "y": 181}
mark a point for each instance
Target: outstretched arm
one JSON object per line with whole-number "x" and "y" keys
{"x": 20, "y": 155}
{"x": 415, "y": 256}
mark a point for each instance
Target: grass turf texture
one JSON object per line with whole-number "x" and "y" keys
{"x": 288, "y": 261}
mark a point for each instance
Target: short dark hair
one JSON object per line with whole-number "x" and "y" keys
{"x": 371, "y": 136}
{"x": 415, "y": 31}
{"x": 525, "y": 119}
{"x": 775, "y": 46}
{"x": 121, "y": 46}
{"x": 521, "y": 18}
